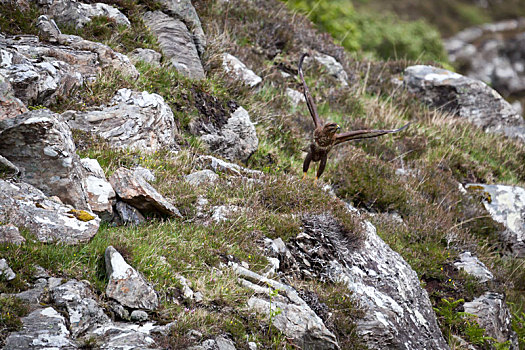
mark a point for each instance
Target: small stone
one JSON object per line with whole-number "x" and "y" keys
{"x": 232, "y": 64}
{"x": 206, "y": 177}
{"x": 139, "y": 316}
{"x": 5, "y": 271}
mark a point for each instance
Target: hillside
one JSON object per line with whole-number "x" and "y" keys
{"x": 151, "y": 196}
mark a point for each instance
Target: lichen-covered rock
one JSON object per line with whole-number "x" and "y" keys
{"x": 5, "y": 271}
{"x": 296, "y": 319}
{"x": 333, "y": 67}
{"x": 9, "y": 234}
{"x": 468, "y": 98}
{"x": 79, "y": 14}
{"x": 184, "y": 10}
{"x": 506, "y": 205}
{"x": 136, "y": 120}
{"x": 42, "y": 329}
{"x": 82, "y": 308}
{"x": 126, "y": 285}
{"x": 295, "y": 97}
{"x": 136, "y": 191}
{"x": 473, "y": 266}
{"x": 201, "y": 177}
{"x": 233, "y": 65}
{"x": 494, "y": 316}
{"x": 101, "y": 195}
{"x": 128, "y": 214}
{"x": 25, "y": 206}
{"x": 10, "y": 105}
{"x": 176, "y": 43}
{"x": 235, "y": 140}
{"x": 41, "y": 145}
{"x": 219, "y": 343}
{"x": 101, "y": 53}
{"x": 146, "y": 55}
{"x": 397, "y": 311}
{"x": 221, "y": 166}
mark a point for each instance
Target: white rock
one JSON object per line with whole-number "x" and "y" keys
{"x": 232, "y": 64}
{"x": 5, "y": 271}
{"x": 473, "y": 266}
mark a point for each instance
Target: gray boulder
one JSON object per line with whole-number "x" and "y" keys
{"x": 9, "y": 234}
{"x": 468, "y": 98}
{"x": 221, "y": 166}
{"x": 137, "y": 120}
{"x": 42, "y": 329}
{"x": 10, "y": 105}
{"x": 397, "y": 311}
{"x": 101, "y": 195}
{"x": 45, "y": 154}
{"x": 184, "y": 10}
{"x": 25, "y": 206}
{"x": 235, "y": 140}
{"x": 295, "y": 97}
{"x": 5, "y": 271}
{"x": 494, "y": 316}
{"x": 333, "y": 67}
{"x": 126, "y": 285}
{"x": 296, "y": 319}
{"x": 136, "y": 191}
{"x": 506, "y": 205}
{"x": 493, "y": 53}
{"x": 473, "y": 266}
{"x": 72, "y": 12}
{"x": 176, "y": 43}
{"x": 234, "y": 66}
{"x": 82, "y": 308}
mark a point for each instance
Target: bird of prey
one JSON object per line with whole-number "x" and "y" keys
{"x": 326, "y": 135}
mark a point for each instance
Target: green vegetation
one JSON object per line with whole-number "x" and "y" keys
{"x": 437, "y": 153}
{"x": 384, "y": 36}
{"x": 11, "y": 309}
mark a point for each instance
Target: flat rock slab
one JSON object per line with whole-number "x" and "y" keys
{"x": 25, "y": 206}
{"x": 506, "y": 205}
{"x": 41, "y": 145}
{"x": 236, "y": 140}
{"x": 176, "y": 43}
{"x": 126, "y": 285}
{"x": 136, "y": 120}
{"x": 133, "y": 189}
{"x": 465, "y": 97}
{"x": 42, "y": 329}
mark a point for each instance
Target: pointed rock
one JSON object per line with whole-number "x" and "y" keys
{"x": 136, "y": 191}
{"x": 126, "y": 285}
{"x": 5, "y": 271}
{"x": 233, "y": 65}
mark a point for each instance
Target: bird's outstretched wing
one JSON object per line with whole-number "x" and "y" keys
{"x": 364, "y": 134}
{"x": 309, "y": 100}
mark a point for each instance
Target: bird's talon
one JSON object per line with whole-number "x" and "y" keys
{"x": 304, "y": 177}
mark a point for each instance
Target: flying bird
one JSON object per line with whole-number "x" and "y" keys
{"x": 326, "y": 135}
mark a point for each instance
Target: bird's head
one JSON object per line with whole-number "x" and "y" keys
{"x": 331, "y": 128}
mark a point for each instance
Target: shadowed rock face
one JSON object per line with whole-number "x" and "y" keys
{"x": 176, "y": 43}
{"x": 133, "y": 189}
{"x": 465, "y": 97}
{"x": 40, "y": 144}
{"x": 397, "y": 311}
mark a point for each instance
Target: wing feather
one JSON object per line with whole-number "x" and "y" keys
{"x": 309, "y": 100}
{"x": 364, "y": 134}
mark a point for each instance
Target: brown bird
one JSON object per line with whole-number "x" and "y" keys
{"x": 326, "y": 135}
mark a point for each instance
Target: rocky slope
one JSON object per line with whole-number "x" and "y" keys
{"x": 150, "y": 197}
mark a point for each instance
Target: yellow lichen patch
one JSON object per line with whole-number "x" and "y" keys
{"x": 481, "y": 190}
{"x": 81, "y": 215}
